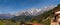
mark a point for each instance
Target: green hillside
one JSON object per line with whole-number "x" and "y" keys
{"x": 48, "y": 14}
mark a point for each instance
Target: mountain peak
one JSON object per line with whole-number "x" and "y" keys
{"x": 34, "y": 11}
{"x": 29, "y": 12}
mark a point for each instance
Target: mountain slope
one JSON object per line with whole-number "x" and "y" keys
{"x": 47, "y": 14}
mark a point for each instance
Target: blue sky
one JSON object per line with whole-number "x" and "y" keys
{"x": 11, "y": 6}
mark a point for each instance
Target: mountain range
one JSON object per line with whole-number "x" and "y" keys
{"x": 34, "y": 11}
{"x": 33, "y": 14}
{"x": 6, "y": 16}
{"x": 28, "y": 13}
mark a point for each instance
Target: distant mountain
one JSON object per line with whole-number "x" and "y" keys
{"x": 26, "y": 15}
{"x": 34, "y": 12}
{"x": 28, "y": 12}
{"x": 6, "y": 16}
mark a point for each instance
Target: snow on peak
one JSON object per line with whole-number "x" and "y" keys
{"x": 29, "y": 12}
{"x": 35, "y": 11}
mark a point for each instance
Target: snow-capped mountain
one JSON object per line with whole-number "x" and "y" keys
{"x": 28, "y": 12}
{"x": 34, "y": 11}
{"x": 6, "y": 16}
